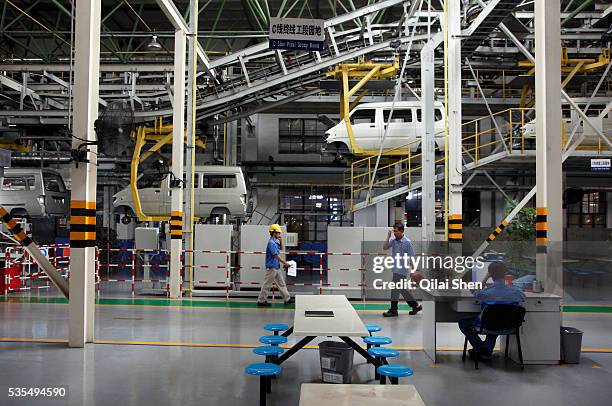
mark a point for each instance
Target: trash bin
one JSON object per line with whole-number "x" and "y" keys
{"x": 336, "y": 362}
{"x": 571, "y": 343}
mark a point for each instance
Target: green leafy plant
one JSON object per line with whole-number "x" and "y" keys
{"x": 522, "y": 227}
{"x": 521, "y": 233}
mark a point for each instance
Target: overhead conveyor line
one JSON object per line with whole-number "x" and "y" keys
{"x": 20, "y": 235}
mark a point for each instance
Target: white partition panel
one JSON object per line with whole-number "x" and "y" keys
{"x": 344, "y": 271}
{"x": 252, "y": 266}
{"x": 210, "y": 269}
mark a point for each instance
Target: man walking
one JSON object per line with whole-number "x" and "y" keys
{"x": 273, "y": 272}
{"x": 400, "y": 245}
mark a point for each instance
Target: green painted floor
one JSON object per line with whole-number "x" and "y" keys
{"x": 236, "y": 304}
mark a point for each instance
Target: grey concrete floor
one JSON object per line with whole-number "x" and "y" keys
{"x": 103, "y": 374}
{"x": 235, "y": 326}
{"x": 211, "y": 371}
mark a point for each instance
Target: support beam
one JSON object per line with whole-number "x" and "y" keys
{"x": 549, "y": 193}
{"x": 190, "y": 158}
{"x": 178, "y": 145}
{"x": 428, "y": 199}
{"x": 453, "y": 108}
{"x": 83, "y": 174}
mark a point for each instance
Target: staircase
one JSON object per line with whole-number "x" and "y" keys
{"x": 484, "y": 23}
{"x": 257, "y": 72}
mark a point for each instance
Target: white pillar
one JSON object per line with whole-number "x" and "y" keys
{"x": 190, "y": 148}
{"x": 549, "y": 223}
{"x": 81, "y": 306}
{"x": 428, "y": 175}
{"x": 455, "y": 165}
{"x": 178, "y": 145}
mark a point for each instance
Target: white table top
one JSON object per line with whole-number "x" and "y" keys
{"x": 317, "y": 394}
{"x": 346, "y": 321}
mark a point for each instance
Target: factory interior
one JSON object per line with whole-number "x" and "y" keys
{"x": 305, "y": 202}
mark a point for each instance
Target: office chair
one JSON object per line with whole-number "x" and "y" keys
{"x": 499, "y": 319}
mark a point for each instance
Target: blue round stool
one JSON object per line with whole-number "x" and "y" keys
{"x": 393, "y": 371}
{"x": 377, "y": 341}
{"x": 276, "y": 327}
{"x": 273, "y": 340}
{"x": 381, "y": 354}
{"x": 265, "y": 371}
{"x": 372, "y": 328}
{"x": 271, "y": 352}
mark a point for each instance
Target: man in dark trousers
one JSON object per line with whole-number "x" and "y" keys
{"x": 400, "y": 244}
{"x": 498, "y": 292}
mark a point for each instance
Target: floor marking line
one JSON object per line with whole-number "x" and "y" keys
{"x": 221, "y": 345}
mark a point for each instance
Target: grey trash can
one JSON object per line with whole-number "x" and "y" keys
{"x": 571, "y": 344}
{"x": 336, "y": 362}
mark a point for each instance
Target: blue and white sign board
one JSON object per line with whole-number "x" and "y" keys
{"x": 600, "y": 164}
{"x": 299, "y": 34}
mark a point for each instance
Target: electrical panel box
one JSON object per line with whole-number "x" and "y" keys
{"x": 147, "y": 238}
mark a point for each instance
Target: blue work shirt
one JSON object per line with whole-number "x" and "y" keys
{"x": 272, "y": 250}
{"x": 500, "y": 292}
{"x": 401, "y": 247}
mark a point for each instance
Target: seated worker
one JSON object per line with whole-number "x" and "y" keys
{"x": 497, "y": 292}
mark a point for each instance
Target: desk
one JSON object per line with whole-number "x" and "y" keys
{"x": 316, "y": 394}
{"x": 345, "y": 324}
{"x": 540, "y": 337}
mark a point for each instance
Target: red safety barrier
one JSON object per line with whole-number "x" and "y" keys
{"x": 133, "y": 268}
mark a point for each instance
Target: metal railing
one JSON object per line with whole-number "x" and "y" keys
{"x": 480, "y": 140}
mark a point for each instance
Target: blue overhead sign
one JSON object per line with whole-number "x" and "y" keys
{"x": 600, "y": 164}
{"x": 296, "y": 34}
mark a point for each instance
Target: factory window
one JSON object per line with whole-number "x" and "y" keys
{"x": 399, "y": 115}
{"x": 588, "y": 213}
{"x": 309, "y": 212}
{"x": 366, "y": 116}
{"x": 18, "y": 183}
{"x": 53, "y": 183}
{"x": 300, "y": 135}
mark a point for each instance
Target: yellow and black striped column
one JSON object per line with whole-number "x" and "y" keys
{"x": 15, "y": 228}
{"x": 176, "y": 225}
{"x": 82, "y": 224}
{"x": 455, "y": 228}
{"x": 541, "y": 229}
{"x": 498, "y": 230}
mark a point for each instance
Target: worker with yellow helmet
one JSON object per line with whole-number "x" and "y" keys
{"x": 274, "y": 274}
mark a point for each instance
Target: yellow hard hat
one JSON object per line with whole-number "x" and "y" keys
{"x": 275, "y": 228}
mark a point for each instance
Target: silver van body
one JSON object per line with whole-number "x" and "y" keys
{"x": 217, "y": 190}
{"x": 34, "y": 192}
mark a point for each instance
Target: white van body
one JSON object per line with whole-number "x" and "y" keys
{"x": 591, "y": 138}
{"x": 217, "y": 190}
{"x": 368, "y": 121}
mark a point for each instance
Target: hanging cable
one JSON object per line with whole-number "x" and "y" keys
{"x": 398, "y": 86}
